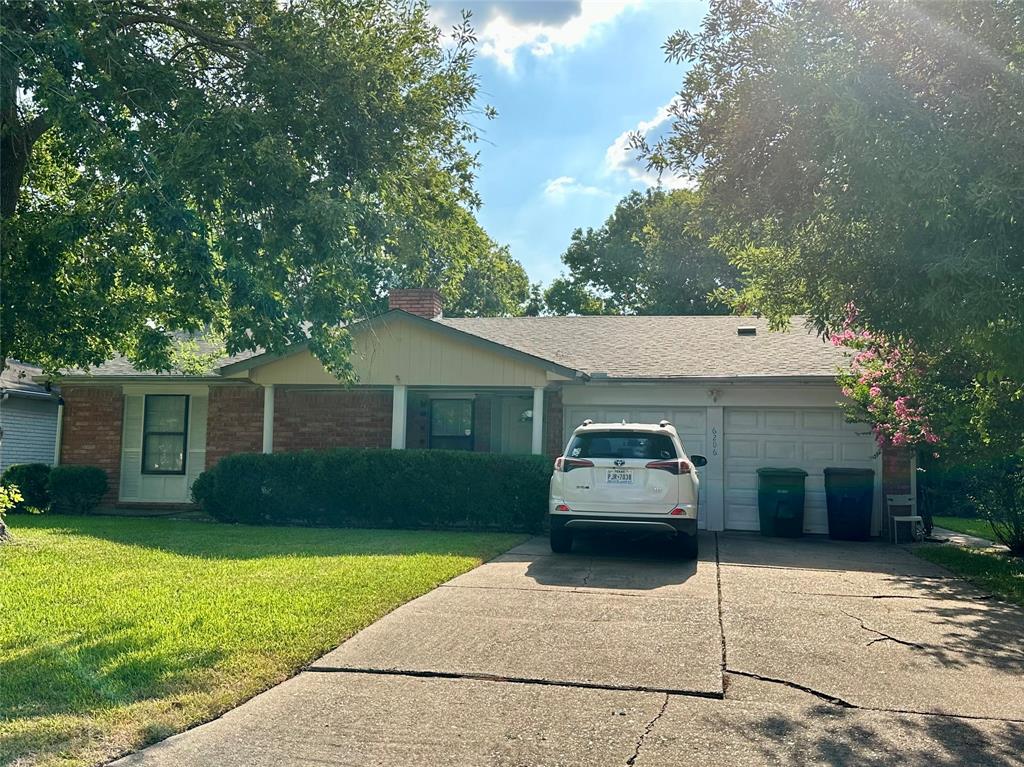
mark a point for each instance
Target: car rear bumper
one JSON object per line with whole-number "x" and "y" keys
{"x": 638, "y": 524}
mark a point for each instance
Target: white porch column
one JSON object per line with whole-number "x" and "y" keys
{"x": 268, "y": 418}
{"x": 538, "y": 420}
{"x": 60, "y": 432}
{"x": 399, "y": 408}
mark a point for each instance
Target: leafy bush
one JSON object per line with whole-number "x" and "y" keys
{"x": 30, "y": 479}
{"x": 350, "y": 487}
{"x": 9, "y": 498}
{"x": 998, "y": 493}
{"x": 76, "y": 489}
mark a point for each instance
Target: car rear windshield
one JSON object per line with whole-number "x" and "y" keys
{"x": 622, "y": 444}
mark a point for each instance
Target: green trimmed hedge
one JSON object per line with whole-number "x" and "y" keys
{"x": 350, "y": 487}
{"x": 76, "y": 489}
{"x": 30, "y": 479}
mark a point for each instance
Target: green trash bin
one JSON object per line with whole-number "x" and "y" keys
{"x": 780, "y": 502}
{"x": 848, "y": 493}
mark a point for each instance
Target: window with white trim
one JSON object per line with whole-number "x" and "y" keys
{"x": 165, "y": 434}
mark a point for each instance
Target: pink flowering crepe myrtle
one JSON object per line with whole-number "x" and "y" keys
{"x": 880, "y": 385}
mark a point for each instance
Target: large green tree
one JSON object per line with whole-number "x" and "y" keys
{"x": 864, "y": 161}
{"x": 251, "y": 170}
{"x": 864, "y": 151}
{"x": 652, "y": 256}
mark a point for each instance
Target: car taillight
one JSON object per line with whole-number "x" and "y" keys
{"x": 568, "y": 464}
{"x": 562, "y": 507}
{"x": 678, "y": 466}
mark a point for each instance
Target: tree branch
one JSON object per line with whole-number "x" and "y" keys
{"x": 210, "y": 39}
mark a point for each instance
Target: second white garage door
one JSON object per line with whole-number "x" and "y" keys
{"x": 806, "y": 438}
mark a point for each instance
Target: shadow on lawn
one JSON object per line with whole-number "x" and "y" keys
{"x": 90, "y": 673}
{"x": 223, "y": 541}
{"x": 827, "y": 735}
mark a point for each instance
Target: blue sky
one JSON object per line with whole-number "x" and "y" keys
{"x": 569, "y": 80}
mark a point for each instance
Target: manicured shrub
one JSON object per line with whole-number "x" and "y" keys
{"x": 76, "y": 489}
{"x": 350, "y": 487}
{"x": 31, "y": 479}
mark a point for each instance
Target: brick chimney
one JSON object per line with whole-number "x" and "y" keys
{"x": 426, "y": 302}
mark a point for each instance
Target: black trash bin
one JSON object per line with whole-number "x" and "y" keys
{"x": 780, "y": 502}
{"x": 848, "y": 493}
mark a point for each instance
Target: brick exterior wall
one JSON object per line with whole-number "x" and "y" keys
{"x": 91, "y": 433}
{"x": 553, "y": 438}
{"x": 896, "y": 480}
{"x": 426, "y": 302}
{"x": 235, "y": 422}
{"x": 324, "y": 419}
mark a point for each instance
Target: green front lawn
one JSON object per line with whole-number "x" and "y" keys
{"x": 115, "y": 633}
{"x": 996, "y": 572}
{"x": 977, "y": 527}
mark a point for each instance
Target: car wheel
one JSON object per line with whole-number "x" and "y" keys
{"x": 561, "y": 540}
{"x": 685, "y": 546}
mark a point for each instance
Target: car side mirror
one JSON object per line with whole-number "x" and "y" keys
{"x": 698, "y": 460}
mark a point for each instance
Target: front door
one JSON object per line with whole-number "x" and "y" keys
{"x": 451, "y": 424}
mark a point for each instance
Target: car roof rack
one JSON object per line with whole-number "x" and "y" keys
{"x": 663, "y": 423}
{"x": 587, "y": 422}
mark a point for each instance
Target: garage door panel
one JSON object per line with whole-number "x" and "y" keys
{"x": 818, "y": 420}
{"x": 816, "y": 452}
{"x": 811, "y": 439}
{"x": 775, "y": 420}
{"x": 737, "y": 419}
{"x": 780, "y": 450}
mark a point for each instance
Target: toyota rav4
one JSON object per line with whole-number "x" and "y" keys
{"x": 626, "y": 477}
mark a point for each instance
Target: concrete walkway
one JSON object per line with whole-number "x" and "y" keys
{"x": 965, "y": 540}
{"x": 763, "y": 652}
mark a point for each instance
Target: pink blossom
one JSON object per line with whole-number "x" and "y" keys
{"x": 899, "y": 440}
{"x": 931, "y": 438}
{"x": 874, "y": 391}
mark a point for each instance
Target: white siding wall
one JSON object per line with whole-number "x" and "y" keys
{"x": 29, "y": 431}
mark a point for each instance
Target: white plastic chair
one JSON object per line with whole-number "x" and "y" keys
{"x": 915, "y": 519}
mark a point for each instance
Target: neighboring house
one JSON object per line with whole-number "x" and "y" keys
{"x": 28, "y": 416}
{"x": 741, "y": 395}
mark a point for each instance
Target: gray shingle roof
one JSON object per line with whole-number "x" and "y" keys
{"x": 662, "y": 347}
{"x": 16, "y": 379}
{"x": 120, "y": 366}
{"x": 630, "y": 347}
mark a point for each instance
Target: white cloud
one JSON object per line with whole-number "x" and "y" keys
{"x": 558, "y": 190}
{"x": 503, "y": 29}
{"x": 620, "y": 159}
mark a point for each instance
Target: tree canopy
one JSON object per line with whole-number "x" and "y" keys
{"x": 863, "y": 162}
{"x": 652, "y": 256}
{"x": 863, "y": 151}
{"x": 250, "y": 170}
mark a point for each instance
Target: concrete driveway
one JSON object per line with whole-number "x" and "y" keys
{"x": 764, "y": 652}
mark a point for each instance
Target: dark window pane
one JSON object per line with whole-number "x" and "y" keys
{"x": 163, "y": 453}
{"x": 164, "y": 434}
{"x": 622, "y": 444}
{"x": 451, "y": 418}
{"x": 165, "y": 413}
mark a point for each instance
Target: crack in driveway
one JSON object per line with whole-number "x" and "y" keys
{"x": 647, "y": 731}
{"x": 882, "y": 636}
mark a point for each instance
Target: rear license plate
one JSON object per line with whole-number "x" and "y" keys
{"x": 620, "y": 477}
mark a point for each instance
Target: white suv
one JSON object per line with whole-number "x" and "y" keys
{"x": 628, "y": 477}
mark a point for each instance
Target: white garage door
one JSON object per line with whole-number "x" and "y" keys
{"x": 806, "y": 438}
{"x": 690, "y": 422}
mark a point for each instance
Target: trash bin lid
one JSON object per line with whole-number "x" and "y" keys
{"x": 836, "y": 471}
{"x": 769, "y": 472}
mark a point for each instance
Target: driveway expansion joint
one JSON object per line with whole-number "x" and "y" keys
{"x": 647, "y": 731}
{"x": 721, "y": 620}
{"x": 538, "y": 681}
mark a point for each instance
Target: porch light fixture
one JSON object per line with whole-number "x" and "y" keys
{"x": 526, "y": 416}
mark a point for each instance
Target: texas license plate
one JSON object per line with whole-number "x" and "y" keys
{"x": 620, "y": 477}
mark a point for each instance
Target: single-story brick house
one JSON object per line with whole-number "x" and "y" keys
{"x": 738, "y": 393}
